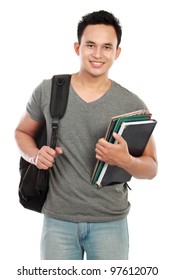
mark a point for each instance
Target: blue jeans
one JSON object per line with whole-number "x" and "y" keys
{"x": 62, "y": 240}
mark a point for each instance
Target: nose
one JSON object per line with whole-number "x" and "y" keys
{"x": 97, "y": 52}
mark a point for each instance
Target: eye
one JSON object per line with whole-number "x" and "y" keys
{"x": 107, "y": 48}
{"x": 90, "y": 46}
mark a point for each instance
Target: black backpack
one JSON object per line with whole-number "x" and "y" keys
{"x": 34, "y": 182}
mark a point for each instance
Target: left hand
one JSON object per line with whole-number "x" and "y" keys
{"x": 113, "y": 154}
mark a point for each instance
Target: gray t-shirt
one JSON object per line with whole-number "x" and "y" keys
{"x": 71, "y": 195}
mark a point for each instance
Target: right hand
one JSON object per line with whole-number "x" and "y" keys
{"x": 46, "y": 156}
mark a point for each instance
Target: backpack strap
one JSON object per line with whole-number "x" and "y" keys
{"x": 58, "y": 103}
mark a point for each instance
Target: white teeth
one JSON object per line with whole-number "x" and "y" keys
{"x": 97, "y": 63}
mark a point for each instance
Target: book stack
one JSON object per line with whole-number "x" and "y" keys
{"x": 136, "y": 128}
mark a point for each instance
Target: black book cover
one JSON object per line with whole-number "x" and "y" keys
{"x": 136, "y": 136}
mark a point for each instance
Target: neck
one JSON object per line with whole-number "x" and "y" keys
{"x": 90, "y": 88}
{"x": 91, "y": 82}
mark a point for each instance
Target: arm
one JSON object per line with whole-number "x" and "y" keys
{"x": 144, "y": 167}
{"x": 24, "y": 135}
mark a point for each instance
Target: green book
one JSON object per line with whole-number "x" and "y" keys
{"x": 125, "y": 119}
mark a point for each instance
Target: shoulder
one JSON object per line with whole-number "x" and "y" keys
{"x": 127, "y": 96}
{"x": 124, "y": 91}
{"x": 119, "y": 88}
{"x": 46, "y": 84}
{"x": 39, "y": 100}
{"x": 42, "y": 91}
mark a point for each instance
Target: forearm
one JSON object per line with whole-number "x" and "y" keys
{"x": 143, "y": 167}
{"x": 27, "y": 146}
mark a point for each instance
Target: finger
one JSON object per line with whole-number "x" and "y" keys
{"x": 59, "y": 151}
{"x": 98, "y": 152}
{"x": 42, "y": 163}
{"x": 98, "y": 157}
{"x": 102, "y": 142}
{"x": 46, "y": 150}
{"x": 118, "y": 137}
{"x": 100, "y": 149}
{"x": 42, "y": 166}
{"x": 45, "y": 161}
{"x": 44, "y": 155}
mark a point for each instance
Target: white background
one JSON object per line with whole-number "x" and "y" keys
{"x": 37, "y": 39}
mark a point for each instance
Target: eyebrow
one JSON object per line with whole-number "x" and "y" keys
{"x": 90, "y": 42}
{"x": 105, "y": 44}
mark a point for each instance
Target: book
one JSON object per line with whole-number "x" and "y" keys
{"x": 126, "y": 126}
{"x": 136, "y": 135}
{"x": 143, "y": 113}
{"x": 113, "y": 126}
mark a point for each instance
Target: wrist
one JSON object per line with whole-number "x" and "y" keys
{"x": 129, "y": 162}
{"x": 35, "y": 157}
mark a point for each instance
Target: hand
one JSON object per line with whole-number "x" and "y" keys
{"x": 46, "y": 156}
{"x": 113, "y": 154}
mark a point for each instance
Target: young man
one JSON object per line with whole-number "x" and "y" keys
{"x": 79, "y": 217}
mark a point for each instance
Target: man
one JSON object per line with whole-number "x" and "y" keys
{"x": 79, "y": 217}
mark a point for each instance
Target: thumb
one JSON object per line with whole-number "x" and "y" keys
{"x": 59, "y": 150}
{"x": 117, "y": 137}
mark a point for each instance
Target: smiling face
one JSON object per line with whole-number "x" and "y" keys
{"x": 97, "y": 50}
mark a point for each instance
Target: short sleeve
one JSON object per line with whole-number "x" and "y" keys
{"x": 34, "y": 105}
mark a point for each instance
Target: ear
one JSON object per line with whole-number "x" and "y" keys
{"x": 76, "y": 47}
{"x": 118, "y": 51}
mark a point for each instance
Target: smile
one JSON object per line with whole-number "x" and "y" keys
{"x": 96, "y": 64}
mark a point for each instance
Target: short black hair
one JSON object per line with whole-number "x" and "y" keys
{"x": 99, "y": 17}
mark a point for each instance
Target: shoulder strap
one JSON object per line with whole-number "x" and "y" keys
{"x": 58, "y": 103}
{"x": 59, "y": 95}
